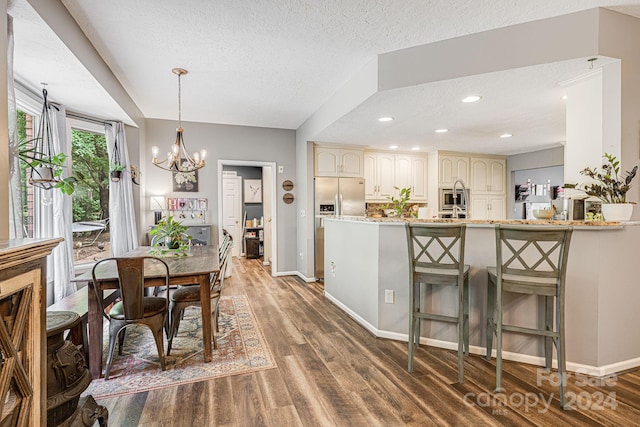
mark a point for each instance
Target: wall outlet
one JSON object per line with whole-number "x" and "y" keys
{"x": 301, "y": 255}
{"x": 389, "y": 296}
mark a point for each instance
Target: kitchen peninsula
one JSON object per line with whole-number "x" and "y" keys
{"x": 367, "y": 260}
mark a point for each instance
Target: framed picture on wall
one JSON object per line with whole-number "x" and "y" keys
{"x": 253, "y": 191}
{"x": 185, "y": 181}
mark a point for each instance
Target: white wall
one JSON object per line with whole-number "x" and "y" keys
{"x": 227, "y": 143}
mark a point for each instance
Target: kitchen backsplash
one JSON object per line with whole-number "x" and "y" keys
{"x": 378, "y": 208}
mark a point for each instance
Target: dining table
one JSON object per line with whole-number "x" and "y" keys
{"x": 193, "y": 269}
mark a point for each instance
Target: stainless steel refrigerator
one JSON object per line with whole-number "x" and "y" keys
{"x": 334, "y": 196}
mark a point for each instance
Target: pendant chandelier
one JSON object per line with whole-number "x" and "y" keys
{"x": 45, "y": 165}
{"x": 179, "y": 159}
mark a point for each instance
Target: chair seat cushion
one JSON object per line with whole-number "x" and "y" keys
{"x": 151, "y": 307}
{"x": 189, "y": 294}
{"x": 438, "y": 276}
{"x": 525, "y": 284}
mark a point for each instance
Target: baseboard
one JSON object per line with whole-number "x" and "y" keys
{"x": 296, "y": 273}
{"x": 595, "y": 371}
{"x": 368, "y": 326}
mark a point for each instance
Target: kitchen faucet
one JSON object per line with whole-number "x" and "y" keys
{"x": 457, "y": 209}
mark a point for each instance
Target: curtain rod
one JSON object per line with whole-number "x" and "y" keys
{"x": 87, "y": 118}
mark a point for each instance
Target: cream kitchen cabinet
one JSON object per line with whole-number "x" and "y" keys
{"x": 384, "y": 171}
{"x": 488, "y": 176}
{"x": 332, "y": 161}
{"x": 486, "y": 206}
{"x": 379, "y": 178}
{"x": 452, "y": 168}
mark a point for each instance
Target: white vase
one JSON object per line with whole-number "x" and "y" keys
{"x": 617, "y": 211}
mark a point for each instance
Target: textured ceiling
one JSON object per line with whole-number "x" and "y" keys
{"x": 274, "y": 63}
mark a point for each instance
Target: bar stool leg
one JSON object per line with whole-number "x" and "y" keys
{"x": 562, "y": 362}
{"x": 466, "y": 316}
{"x": 498, "y": 341}
{"x": 491, "y": 305}
{"x": 548, "y": 326}
{"x": 412, "y": 319}
{"x": 460, "y": 333}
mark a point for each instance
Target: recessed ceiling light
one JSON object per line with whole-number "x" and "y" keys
{"x": 393, "y": 147}
{"x": 385, "y": 119}
{"x": 506, "y": 135}
{"x": 563, "y": 97}
{"x": 415, "y": 148}
{"x": 471, "y": 98}
{"x": 441, "y": 130}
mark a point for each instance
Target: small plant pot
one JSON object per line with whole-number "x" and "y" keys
{"x": 116, "y": 175}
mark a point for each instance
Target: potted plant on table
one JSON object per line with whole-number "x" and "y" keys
{"x": 168, "y": 236}
{"x": 611, "y": 187}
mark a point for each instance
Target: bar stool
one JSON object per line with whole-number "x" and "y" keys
{"x": 533, "y": 261}
{"x": 436, "y": 254}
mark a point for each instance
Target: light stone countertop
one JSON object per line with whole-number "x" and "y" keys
{"x": 480, "y": 223}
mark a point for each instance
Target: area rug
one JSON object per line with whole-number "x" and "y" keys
{"x": 241, "y": 349}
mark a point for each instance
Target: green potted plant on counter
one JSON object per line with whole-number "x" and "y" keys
{"x": 398, "y": 207}
{"x": 611, "y": 187}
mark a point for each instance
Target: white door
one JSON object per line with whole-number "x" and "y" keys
{"x": 267, "y": 210}
{"x": 232, "y": 210}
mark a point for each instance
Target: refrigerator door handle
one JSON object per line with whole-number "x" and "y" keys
{"x": 338, "y": 207}
{"x": 340, "y": 203}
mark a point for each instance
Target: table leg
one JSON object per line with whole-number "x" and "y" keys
{"x": 205, "y": 301}
{"x": 95, "y": 332}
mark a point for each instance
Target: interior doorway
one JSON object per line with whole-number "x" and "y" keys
{"x": 257, "y": 219}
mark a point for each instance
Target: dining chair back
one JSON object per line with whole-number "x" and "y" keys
{"x": 533, "y": 261}
{"x": 134, "y": 307}
{"x": 189, "y": 296}
{"x": 436, "y": 257}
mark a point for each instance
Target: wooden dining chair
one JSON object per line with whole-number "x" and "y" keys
{"x": 531, "y": 261}
{"x": 436, "y": 257}
{"x": 189, "y": 296}
{"x": 134, "y": 308}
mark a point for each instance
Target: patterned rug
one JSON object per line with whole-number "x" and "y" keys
{"x": 241, "y": 349}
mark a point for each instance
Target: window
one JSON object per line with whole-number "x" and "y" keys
{"x": 91, "y": 197}
{"x": 26, "y": 133}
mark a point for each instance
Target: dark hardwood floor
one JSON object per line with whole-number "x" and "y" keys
{"x": 332, "y": 372}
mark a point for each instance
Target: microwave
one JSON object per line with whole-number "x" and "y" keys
{"x": 449, "y": 198}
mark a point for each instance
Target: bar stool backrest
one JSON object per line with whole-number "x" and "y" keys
{"x": 533, "y": 251}
{"x": 435, "y": 247}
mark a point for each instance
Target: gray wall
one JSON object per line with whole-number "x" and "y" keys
{"x": 225, "y": 142}
{"x": 530, "y": 162}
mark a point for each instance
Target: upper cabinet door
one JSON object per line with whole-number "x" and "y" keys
{"x": 488, "y": 175}
{"x": 453, "y": 168}
{"x": 351, "y": 163}
{"x": 327, "y": 162}
{"x": 385, "y": 175}
{"x": 331, "y": 161}
{"x": 418, "y": 178}
{"x": 402, "y": 172}
{"x": 370, "y": 181}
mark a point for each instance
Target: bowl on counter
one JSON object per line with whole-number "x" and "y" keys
{"x": 390, "y": 213}
{"x": 544, "y": 213}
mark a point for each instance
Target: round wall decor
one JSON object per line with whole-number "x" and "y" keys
{"x": 287, "y": 185}
{"x": 288, "y": 198}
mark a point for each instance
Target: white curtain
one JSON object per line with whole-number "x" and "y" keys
{"x": 53, "y": 214}
{"x": 122, "y": 217}
{"x": 16, "y": 229}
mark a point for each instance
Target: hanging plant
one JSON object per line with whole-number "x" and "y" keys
{"x": 116, "y": 171}
{"x": 45, "y": 165}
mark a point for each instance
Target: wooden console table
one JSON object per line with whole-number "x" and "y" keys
{"x": 23, "y": 345}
